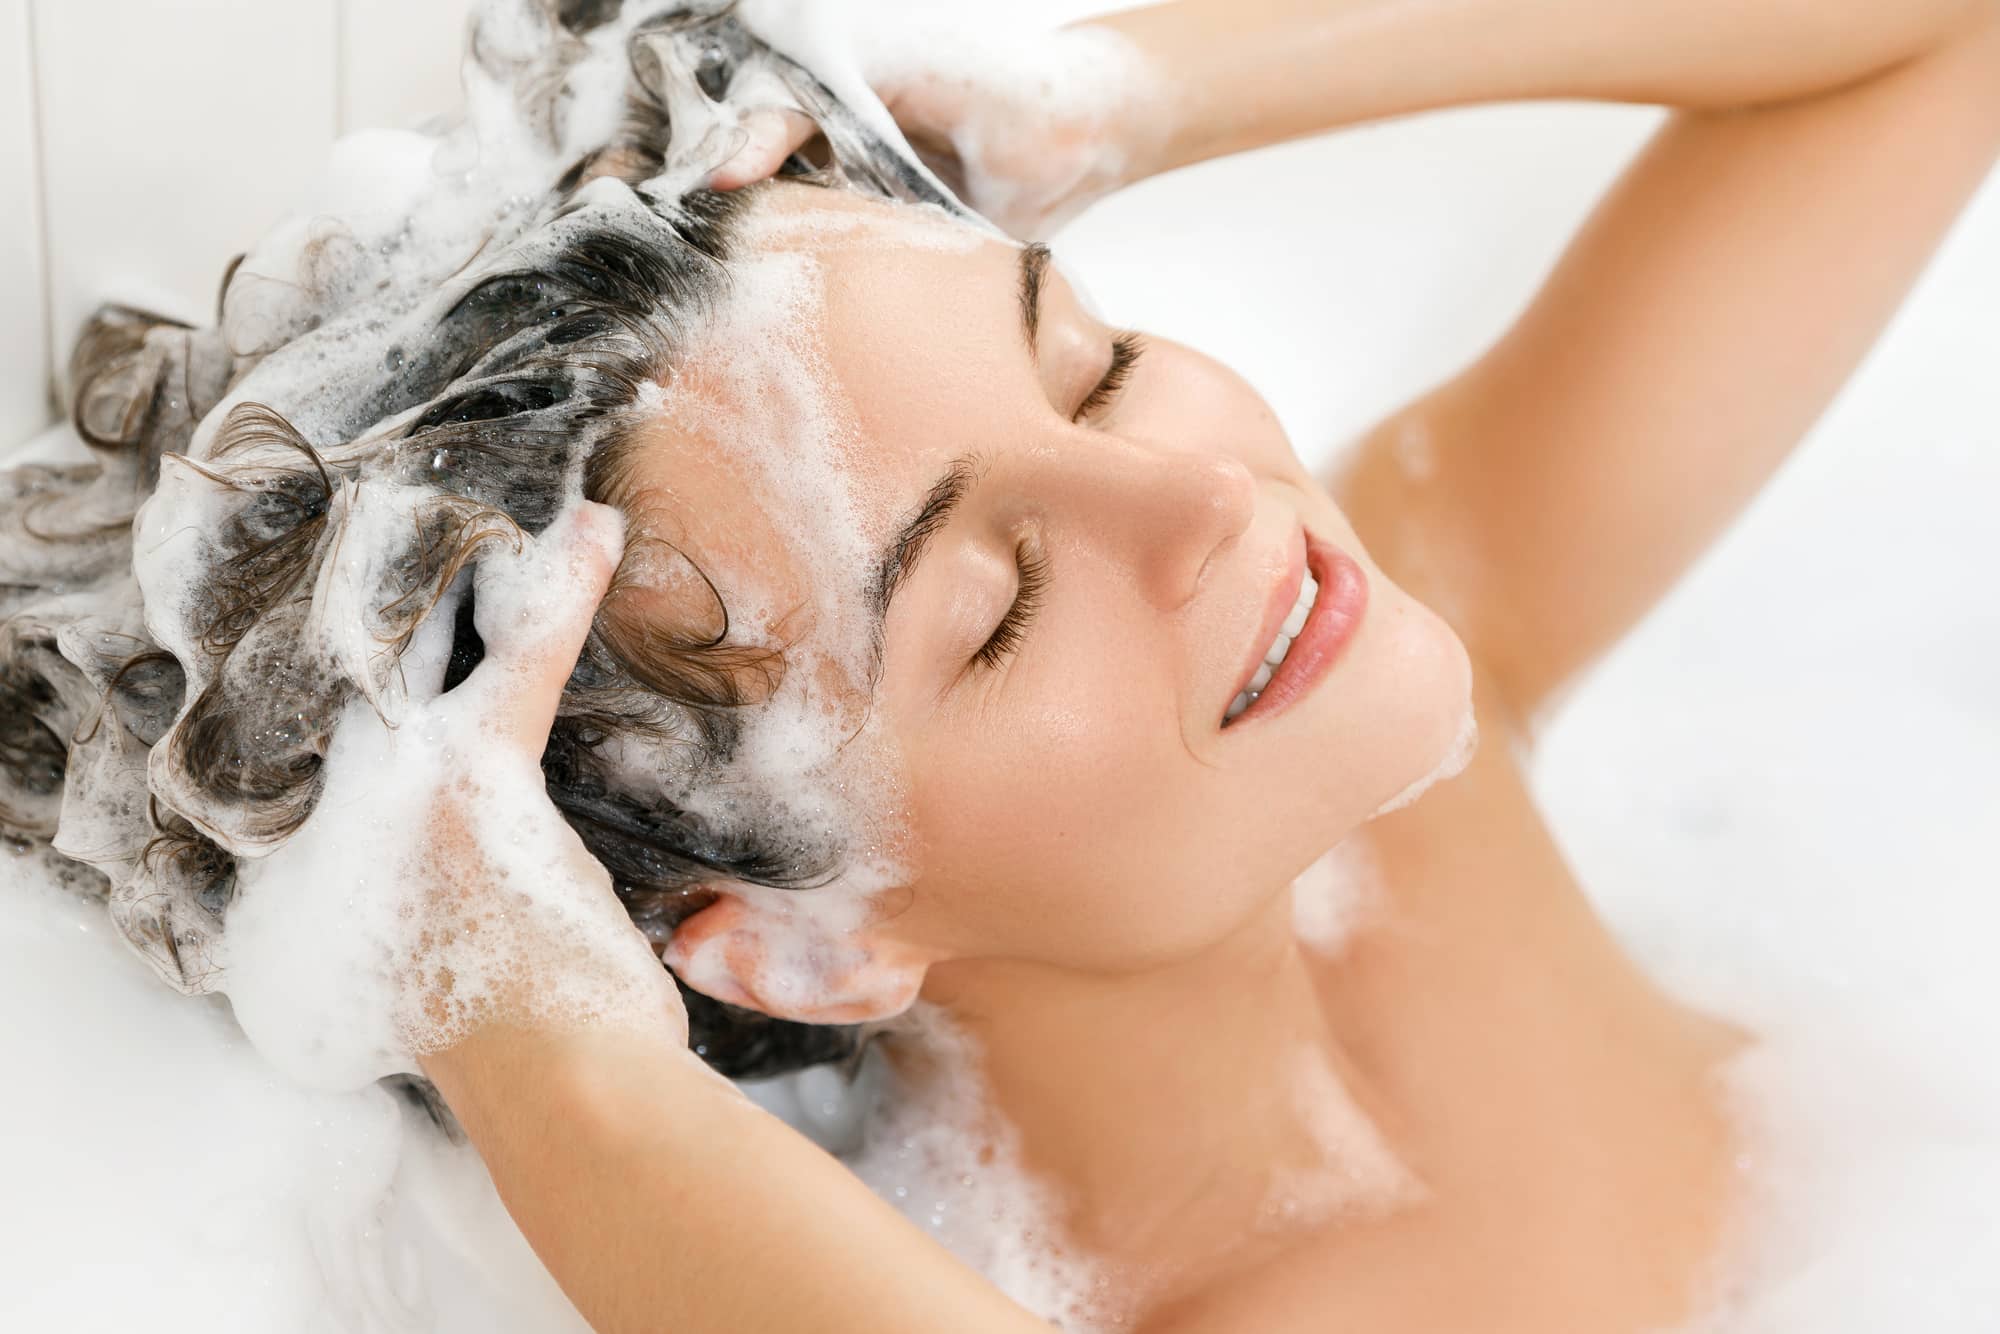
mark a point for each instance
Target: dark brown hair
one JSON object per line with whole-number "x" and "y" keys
{"x": 156, "y": 762}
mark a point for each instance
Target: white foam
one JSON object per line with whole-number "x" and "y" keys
{"x": 921, "y": 227}
{"x": 1415, "y": 450}
{"x": 317, "y": 311}
{"x": 938, "y": 1153}
{"x": 476, "y": 902}
{"x": 652, "y": 397}
{"x": 1464, "y": 745}
{"x": 1722, "y": 848}
{"x": 1043, "y": 122}
{"x": 813, "y": 756}
{"x": 158, "y": 1176}
{"x": 1336, "y": 896}
{"x": 1356, "y": 1176}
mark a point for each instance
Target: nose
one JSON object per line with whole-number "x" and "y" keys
{"x": 1162, "y": 512}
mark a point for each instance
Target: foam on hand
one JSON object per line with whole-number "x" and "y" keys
{"x": 391, "y": 314}
{"x": 390, "y": 425}
{"x": 475, "y": 903}
{"x": 365, "y": 933}
{"x": 1041, "y": 123}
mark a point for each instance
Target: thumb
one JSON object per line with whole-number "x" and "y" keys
{"x": 771, "y": 136}
{"x": 928, "y": 103}
{"x": 534, "y": 608}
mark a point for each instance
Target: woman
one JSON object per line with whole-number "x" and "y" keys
{"x": 1476, "y": 1114}
{"x": 1566, "y": 1157}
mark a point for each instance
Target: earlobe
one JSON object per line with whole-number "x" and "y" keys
{"x": 790, "y": 967}
{"x": 712, "y": 950}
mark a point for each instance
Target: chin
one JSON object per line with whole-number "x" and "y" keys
{"x": 1398, "y": 714}
{"x": 1443, "y": 729}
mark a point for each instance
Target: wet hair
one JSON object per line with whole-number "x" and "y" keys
{"x": 151, "y": 734}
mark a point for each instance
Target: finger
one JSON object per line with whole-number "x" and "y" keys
{"x": 940, "y": 155}
{"x": 427, "y": 660}
{"x": 934, "y": 115}
{"x": 774, "y": 134}
{"x": 933, "y": 105}
{"x": 534, "y": 611}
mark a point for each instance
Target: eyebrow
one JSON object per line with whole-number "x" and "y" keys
{"x": 900, "y": 560}
{"x": 1034, "y": 270}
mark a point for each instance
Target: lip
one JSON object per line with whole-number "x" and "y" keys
{"x": 1336, "y": 615}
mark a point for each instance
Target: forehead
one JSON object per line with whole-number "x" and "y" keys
{"x": 861, "y": 348}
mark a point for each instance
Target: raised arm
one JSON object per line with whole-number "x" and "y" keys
{"x": 662, "y": 1199}
{"x": 658, "y": 1196}
{"x": 1247, "y": 73}
{"x": 1699, "y": 324}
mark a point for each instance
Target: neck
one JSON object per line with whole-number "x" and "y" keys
{"x": 1181, "y": 1109}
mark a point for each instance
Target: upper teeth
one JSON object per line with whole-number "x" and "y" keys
{"x": 1275, "y": 655}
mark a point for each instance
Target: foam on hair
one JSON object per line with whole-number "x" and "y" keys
{"x": 259, "y": 603}
{"x": 427, "y": 369}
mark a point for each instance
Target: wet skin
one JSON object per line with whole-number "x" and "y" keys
{"x": 1101, "y": 892}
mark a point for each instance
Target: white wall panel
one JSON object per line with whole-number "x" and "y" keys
{"x": 25, "y": 404}
{"x": 399, "y": 60}
{"x": 175, "y": 132}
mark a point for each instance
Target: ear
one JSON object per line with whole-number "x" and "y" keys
{"x": 793, "y": 964}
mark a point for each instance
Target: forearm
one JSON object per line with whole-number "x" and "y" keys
{"x": 1700, "y": 323}
{"x": 661, "y": 1199}
{"x": 1246, "y": 73}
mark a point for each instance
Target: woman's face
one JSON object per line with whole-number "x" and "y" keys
{"x": 1091, "y": 558}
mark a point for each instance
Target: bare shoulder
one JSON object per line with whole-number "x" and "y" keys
{"x": 1551, "y": 1099}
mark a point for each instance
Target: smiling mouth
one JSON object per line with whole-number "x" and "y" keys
{"x": 1332, "y": 599}
{"x": 1280, "y": 648}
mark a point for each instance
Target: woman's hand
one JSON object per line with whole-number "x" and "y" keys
{"x": 436, "y": 891}
{"x": 1028, "y": 131}
{"x": 522, "y": 925}
{"x": 1032, "y": 129}
{"x": 657, "y": 1195}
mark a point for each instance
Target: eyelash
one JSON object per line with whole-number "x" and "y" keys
{"x": 1033, "y": 569}
{"x": 1125, "y": 351}
{"x": 1007, "y": 636}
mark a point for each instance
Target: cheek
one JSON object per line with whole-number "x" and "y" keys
{"x": 1201, "y": 403}
{"x": 1075, "y": 828}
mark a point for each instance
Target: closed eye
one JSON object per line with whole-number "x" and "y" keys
{"x": 1126, "y": 349}
{"x": 1032, "y": 585}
